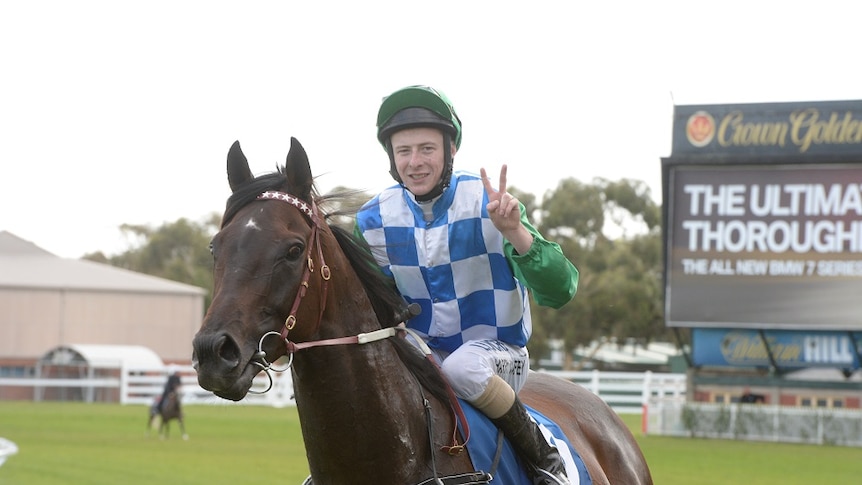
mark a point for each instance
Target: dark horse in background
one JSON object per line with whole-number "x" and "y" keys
{"x": 373, "y": 409}
{"x": 167, "y": 410}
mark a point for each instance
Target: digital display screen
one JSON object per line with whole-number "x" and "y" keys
{"x": 764, "y": 246}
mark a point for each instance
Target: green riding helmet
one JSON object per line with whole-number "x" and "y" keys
{"x": 392, "y": 116}
{"x": 415, "y": 107}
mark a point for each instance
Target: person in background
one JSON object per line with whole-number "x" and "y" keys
{"x": 173, "y": 384}
{"x": 750, "y": 398}
{"x": 466, "y": 253}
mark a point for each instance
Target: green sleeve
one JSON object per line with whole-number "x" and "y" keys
{"x": 545, "y": 270}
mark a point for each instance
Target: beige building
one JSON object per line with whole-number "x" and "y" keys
{"x": 47, "y": 301}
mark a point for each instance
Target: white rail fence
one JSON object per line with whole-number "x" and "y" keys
{"x": 628, "y": 392}
{"x": 754, "y": 422}
{"x": 625, "y": 392}
{"x": 659, "y": 397}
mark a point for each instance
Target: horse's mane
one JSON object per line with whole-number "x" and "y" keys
{"x": 388, "y": 304}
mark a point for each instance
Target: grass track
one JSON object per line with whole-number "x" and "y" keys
{"x": 95, "y": 444}
{"x": 695, "y": 461}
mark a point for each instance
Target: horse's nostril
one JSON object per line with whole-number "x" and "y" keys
{"x": 227, "y": 350}
{"x": 215, "y": 353}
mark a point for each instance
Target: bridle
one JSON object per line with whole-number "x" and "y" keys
{"x": 310, "y": 211}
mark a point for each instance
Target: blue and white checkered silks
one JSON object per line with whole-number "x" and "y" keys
{"x": 453, "y": 266}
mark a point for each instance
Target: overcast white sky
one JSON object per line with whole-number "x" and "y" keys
{"x": 117, "y": 112}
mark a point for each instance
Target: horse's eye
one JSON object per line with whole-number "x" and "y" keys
{"x": 295, "y": 252}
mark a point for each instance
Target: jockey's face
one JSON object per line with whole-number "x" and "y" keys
{"x": 419, "y": 158}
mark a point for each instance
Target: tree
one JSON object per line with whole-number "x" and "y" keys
{"x": 611, "y": 231}
{"x": 178, "y": 251}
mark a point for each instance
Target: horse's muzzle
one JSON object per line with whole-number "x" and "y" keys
{"x": 218, "y": 361}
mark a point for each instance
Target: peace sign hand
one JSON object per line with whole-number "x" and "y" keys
{"x": 504, "y": 211}
{"x": 502, "y": 206}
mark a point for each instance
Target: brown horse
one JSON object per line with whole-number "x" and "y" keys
{"x": 169, "y": 410}
{"x": 373, "y": 410}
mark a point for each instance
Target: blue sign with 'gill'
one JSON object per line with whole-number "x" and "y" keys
{"x": 784, "y": 348}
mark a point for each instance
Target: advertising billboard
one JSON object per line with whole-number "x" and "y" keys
{"x": 781, "y": 348}
{"x": 765, "y": 246}
{"x": 763, "y": 217}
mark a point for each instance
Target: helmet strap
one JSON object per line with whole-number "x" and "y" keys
{"x": 393, "y": 171}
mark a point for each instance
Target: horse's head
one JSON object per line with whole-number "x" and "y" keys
{"x": 266, "y": 255}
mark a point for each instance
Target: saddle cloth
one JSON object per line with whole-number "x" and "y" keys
{"x": 483, "y": 447}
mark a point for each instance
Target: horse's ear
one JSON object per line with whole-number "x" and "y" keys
{"x": 238, "y": 172}
{"x": 298, "y": 171}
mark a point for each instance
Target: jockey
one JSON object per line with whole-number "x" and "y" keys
{"x": 466, "y": 253}
{"x": 173, "y": 384}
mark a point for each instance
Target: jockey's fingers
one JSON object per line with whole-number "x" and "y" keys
{"x": 486, "y": 182}
{"x": 508, "y": 202}
{"x": 513, "y": 207}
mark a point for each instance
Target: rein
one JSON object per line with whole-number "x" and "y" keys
{"x": 311, "y": 213}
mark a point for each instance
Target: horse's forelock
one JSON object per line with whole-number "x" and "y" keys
{"x": 247, "y": 193}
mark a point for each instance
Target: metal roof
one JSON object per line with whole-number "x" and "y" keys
{"x": 135, "y": 357}
{"x": 23, "y": 265}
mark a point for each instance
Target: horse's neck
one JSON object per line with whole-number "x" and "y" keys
{"x": 359, "y": 408}
{"x": 362, "y": 410}
{"x": 355, "y": 376}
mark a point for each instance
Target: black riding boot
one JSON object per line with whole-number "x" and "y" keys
{"x": 543, "y": 460}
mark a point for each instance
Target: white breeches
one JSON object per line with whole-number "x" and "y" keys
{"x": 470, "y": 366}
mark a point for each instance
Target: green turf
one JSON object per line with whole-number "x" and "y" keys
{"x": 94, "y": 444}
{"x": 679, "y": 461}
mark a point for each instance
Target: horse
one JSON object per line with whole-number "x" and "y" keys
{"x": 290, "y": 285}
{"x": 170, "y": 410}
